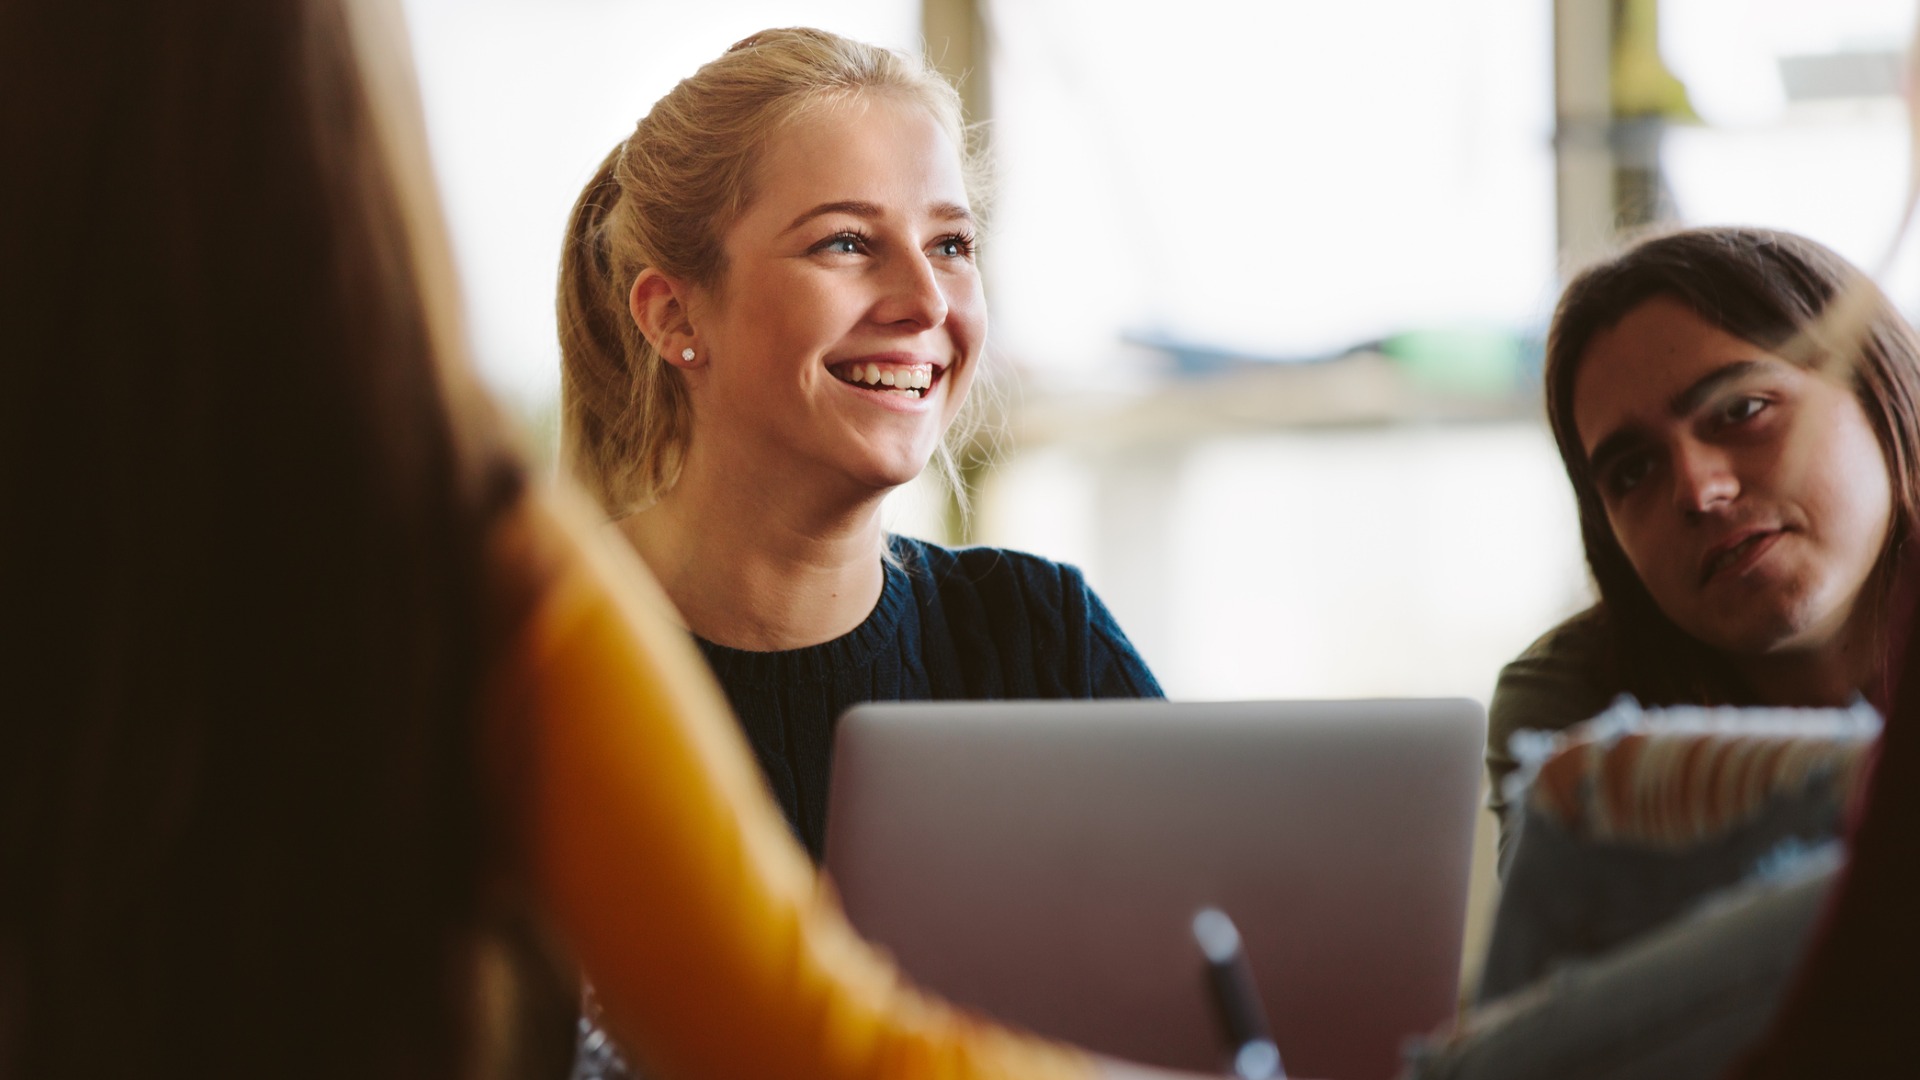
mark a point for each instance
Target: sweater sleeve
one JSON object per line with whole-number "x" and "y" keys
{"x": 1555, "y": 684}
{"x": 713, "y": 946}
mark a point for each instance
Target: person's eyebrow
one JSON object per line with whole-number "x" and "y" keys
{"x": 950, "y": 212}
{"x": 1626, "y": 439}
{"x": 851, "y": 207}
{"x": 1703, "y": 388}
{"x": 867, "y": 211}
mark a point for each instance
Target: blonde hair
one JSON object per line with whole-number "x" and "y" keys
{"x": 664, "y": 198}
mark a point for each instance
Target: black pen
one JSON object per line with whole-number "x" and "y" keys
{"x": 1255, "y": 1057}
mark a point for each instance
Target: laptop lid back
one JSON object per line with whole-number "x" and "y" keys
{"x": 1042, "y": 862}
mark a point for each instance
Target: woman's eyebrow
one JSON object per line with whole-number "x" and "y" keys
{"x": 945, "y": 211}
{"x": 852, "y": 207}
{"x": 1703, "y": 388}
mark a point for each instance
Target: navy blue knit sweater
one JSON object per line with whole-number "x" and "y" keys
{"x": 951, "y": 623}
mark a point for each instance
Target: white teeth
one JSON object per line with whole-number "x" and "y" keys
{"x": 913, "y": 380}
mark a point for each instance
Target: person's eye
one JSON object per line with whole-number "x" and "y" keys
{"x": 1628, "y": 473}
{"x": 954, "y": 246}
{"x": 846, "y": 242}
{"x": 1740, "y": 410}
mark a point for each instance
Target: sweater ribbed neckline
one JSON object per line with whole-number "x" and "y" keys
{"x": 813, "y": 663}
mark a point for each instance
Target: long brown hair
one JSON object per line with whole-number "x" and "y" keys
{"x": 241, "y": 824}
{"x": 1771, "y": 289}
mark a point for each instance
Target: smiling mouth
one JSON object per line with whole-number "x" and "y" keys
{"x": 1734, "y": 554}
{"x": 905, "y": 380}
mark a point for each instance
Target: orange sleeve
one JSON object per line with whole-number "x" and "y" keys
{"x": 714, "y": 947}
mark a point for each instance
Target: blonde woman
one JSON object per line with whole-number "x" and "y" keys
{"x": 770, "y": 313}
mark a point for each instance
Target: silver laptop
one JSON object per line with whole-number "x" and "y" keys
{"x": 1043, "y": 862}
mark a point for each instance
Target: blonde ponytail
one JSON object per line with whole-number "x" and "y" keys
{"x": 624, "y": 418}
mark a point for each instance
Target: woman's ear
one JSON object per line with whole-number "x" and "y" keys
{"x": 658, "y": 305}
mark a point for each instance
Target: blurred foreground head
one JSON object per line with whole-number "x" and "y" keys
{"x": 247, "y": 481}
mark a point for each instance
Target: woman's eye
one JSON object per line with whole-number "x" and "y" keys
{"x": 1628, "y": 474}
{"x": 1741, "y": 409}
{"x": 845, "y": 243}
{"x": 954, "y": 247}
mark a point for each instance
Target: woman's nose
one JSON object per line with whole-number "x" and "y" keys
{"x": 914, "y": 293}
{"x": 1704, "y": 478}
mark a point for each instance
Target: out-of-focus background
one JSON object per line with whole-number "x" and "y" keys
{"x": 1269, "y": 282}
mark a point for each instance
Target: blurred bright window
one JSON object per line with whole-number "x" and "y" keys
{"x": 1279, "y": 179}
{"x": 1804, "y": 126}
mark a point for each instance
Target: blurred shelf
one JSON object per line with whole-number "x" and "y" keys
{"x": 1360, "y": 390}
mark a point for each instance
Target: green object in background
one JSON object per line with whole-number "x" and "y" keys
{"x": 1479, "y": 360}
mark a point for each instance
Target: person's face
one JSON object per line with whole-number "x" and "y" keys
{"x": 1749, "y": 494}
{"x": 845, "y": 331}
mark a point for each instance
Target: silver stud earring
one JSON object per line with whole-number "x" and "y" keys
{"x": 687, "y": 354}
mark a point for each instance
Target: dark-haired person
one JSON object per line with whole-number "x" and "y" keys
{"x": 328, "y": 734}
{"x": 1746, "y": 513}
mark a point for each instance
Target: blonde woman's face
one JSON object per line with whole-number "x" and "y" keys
{"x": 844, "y": 335}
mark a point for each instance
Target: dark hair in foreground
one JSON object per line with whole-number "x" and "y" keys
{"x": 1768, "y": 288}
{"x": 246, "y": 501}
